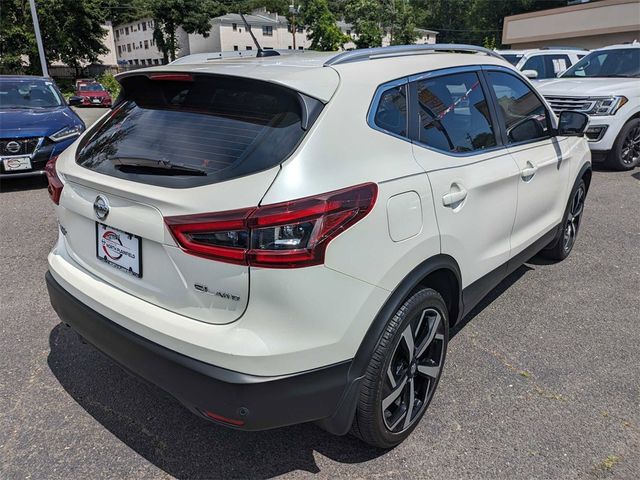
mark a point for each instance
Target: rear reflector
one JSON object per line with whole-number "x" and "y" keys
{"x": 284, "y": 235}
{"x": 220, "y": 418}
{"x": 55, "y": 184}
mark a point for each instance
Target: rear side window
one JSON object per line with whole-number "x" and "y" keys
{"x": 454, "y": 114}
{"x": 557, "y": 64}
{"x": 391, "y": 113}
{"x": 190, "y": 131}
{"x": 524, "y": 116}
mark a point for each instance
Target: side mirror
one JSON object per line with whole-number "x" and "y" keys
{"x": 572, "y": 124}
{"x": 532, "y": 74}
{"x": 75, "y": 101}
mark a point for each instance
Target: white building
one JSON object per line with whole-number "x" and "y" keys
{"x": 135, "y": 45}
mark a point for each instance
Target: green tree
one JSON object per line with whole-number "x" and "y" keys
{"x": 322, "y": 29}
{"x": 71, "y": 33}
{"x": 366, "y": 18}
{"x": 399, "y": 21}
{"x": 192, "y": 15}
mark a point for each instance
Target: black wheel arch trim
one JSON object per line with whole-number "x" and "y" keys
{"x": 340, "y": 422}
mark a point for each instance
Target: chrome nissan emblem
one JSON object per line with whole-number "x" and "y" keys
{"x": 13, "y": 147}
{"x": 101, "y": 207}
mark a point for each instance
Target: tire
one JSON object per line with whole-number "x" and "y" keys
{"x": 561, "y": 247}
{"x": 408, "y": 360}
{"x": 625, "y": 153}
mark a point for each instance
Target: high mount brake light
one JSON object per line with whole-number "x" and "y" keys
{"x": 55, "y": 184}
{"x": 174, "y": 77}
{"x": 283, "y": 235}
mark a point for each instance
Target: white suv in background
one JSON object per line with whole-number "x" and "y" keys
{"x": 289, "y": 239}
{"x": 606, "y": 86}
{"x": 541, "y": 63}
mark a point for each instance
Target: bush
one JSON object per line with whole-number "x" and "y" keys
{"x": 109, "y": 82}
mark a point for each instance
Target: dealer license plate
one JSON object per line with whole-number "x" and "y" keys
{"x": 119, "y": 249}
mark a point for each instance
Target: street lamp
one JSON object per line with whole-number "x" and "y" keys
{"x": 36, "y": 29}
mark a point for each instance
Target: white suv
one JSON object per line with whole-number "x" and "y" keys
{"x": 541, "y": 63}
{"x": 289, "y": 239}
{"x": 606, "y": 86}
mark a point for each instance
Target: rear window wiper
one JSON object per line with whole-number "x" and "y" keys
{"x": 156, "y": 167}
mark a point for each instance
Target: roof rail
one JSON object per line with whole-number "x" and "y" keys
{"x": 402, "y": 50}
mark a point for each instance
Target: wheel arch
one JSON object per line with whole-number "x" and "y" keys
{"x": 440, "y": 272}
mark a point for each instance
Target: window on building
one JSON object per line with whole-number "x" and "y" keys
{"x": 155, "y": 61}
{"x": 149, "y": 61}
{"x": 289, "y": 47}
{"x": 140, "y": 44}
{"x": 144, "y": 26}
{"x": 128, "y": 47}
{"x": 150, "y": 23}
{"x": 117, "y": 35}
{"x": 249, "y": 47}
{"x": 136, "y": 61}
{"x": 235, "y": 48}
{"x": 289, "y": 28}
{"x": 267, "y": 30}
{"x": 126, "y": 30}
{"x": 391, "y": 114}
{"x": 119, "y": 50}
{"x": 300, "y": 48}
{"x": 130, "y": 62}
{"x": 300, "y": 29}
{"x": 234, "y": 27}
{"x": 146, "y": 44}
{"x": 522, "y": 113}
{"x": 453, "y": 114}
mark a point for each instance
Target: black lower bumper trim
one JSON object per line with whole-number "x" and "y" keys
{"x": 258, "y": 402}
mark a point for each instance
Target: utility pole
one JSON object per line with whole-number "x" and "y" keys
{"x": 293, "y": 10}
{"x": 36, "y": 29}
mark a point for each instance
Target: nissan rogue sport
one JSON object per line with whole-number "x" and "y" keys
{"x": 290, "y": 239}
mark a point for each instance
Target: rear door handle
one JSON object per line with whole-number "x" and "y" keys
{"x": 454, "y": 198}
{"x": 529, "y": 171}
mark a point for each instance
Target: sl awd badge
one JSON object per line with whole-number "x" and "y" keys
{"x": 204, "y": 289}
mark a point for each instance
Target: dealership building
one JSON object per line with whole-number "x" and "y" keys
{"x": 582, "y": 24}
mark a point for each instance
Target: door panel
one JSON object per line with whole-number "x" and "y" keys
{"x": 528, "y": 133}
{"x": 473, "y": 180}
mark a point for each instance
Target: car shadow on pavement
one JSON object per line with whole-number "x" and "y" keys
{"x": 20, "y": 184}
{"x": 175, "y": 440}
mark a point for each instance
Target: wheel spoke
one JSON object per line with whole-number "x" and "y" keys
{"x": 410, "y": 404}
{"x": 434, "y": 323}
{"x": 428, "y": 370}
{"x": 407, "y": 336}
{"x": 393, "y": 396}
{"x": 392, "y": 379}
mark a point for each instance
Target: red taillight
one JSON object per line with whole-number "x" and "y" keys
{"x": 283, "y": 235}
{"x": 175, "y": 77}
{"x": 55, "y": 184}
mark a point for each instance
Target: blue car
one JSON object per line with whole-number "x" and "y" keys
{"x": 36, "y": 124}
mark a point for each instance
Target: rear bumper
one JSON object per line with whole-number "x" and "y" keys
{"x": 246, "y": 401}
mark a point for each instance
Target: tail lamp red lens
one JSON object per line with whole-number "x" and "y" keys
{"x": 283, "y": 235}
{"x": 55, "y": 184}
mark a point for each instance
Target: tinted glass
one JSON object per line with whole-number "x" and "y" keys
{"x": 206, "y": 130}
{"x": 391, "y": 114}
{"x": 623, "y": 62}
{"x": 453, "y": 114}
{"x": 524, "y": 115}
{"x": 535, "y": 63}
{"x": 28, "y": 93}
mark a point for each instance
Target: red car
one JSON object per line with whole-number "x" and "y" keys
{"x": 92, "y": 94}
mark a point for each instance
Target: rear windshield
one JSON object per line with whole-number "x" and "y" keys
{"x": 185, "y": 131}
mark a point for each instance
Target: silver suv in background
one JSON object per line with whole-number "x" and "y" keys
{"x": 540, "y": 63}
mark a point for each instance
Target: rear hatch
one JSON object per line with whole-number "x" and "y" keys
{"x": 176, "y": 145}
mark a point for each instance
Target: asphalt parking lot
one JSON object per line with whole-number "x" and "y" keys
{"x": 542, "y": 382}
